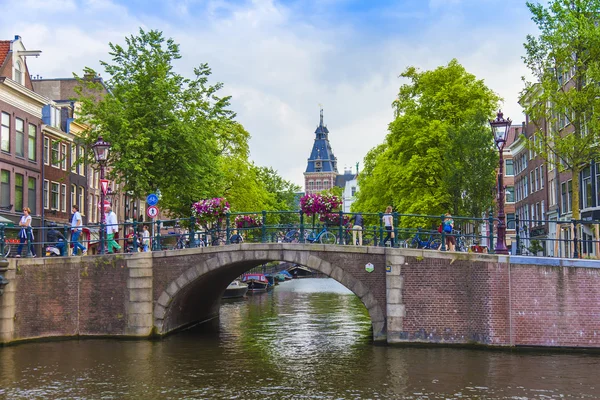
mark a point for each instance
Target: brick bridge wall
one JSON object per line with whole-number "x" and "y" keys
{"x": 495, "y": 300}
{"x": 426, "y": 296}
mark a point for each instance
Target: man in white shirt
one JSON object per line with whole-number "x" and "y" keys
{"x": 112, "y": 227}
{"x": 76, "y": 223}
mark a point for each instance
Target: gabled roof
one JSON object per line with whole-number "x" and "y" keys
{"x": 4, "y": 49}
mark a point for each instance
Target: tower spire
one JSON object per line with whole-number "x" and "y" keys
{"x": 321, "y": 122}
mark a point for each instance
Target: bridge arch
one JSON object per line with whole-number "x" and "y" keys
{"x": 194, "y": 295}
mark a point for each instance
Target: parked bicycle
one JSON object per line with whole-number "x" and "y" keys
{"x": 324, "y": 237}
{"x": 433, "y": 242}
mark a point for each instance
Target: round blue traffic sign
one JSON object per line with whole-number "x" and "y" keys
{"x": 152, "y": 199}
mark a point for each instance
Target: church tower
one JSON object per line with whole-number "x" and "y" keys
{"x": 321, "y": 170}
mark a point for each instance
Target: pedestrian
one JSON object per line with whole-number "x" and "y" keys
{"x": 388, "y": 222}
{"x": 56, "y": 238}
{"x": 145, "y": 238}
{"x": 76, "y": 223}
{"x": 26, "y": 233}
{"x": 448, "y": 226}
{"x": 112, "y": 227}
{"x": 357, "y": 228}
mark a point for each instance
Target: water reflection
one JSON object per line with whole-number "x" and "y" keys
{"x": 309, "y": 339}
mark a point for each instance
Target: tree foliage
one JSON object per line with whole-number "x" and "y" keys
{"x": 564, "y": 100}
{"x": 438, "y": 155}
{"x": 174, "y": 134}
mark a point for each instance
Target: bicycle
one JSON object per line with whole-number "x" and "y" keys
{"x": 415, "y": 242}
{"x": 324, "y": 237}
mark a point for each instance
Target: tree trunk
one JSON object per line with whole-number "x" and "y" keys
{"x": 575, "y": 200}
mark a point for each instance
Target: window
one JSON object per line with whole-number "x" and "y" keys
{"x": 46, "y": 193}
{"x": 18, "y": 192}
{"x": 525, "y": 187}
{"x": 538, "y": 213}
{"x": 81, "y": 200}
{"x": 566, "y": 193}
{"x": 319, "y": 186}
{"x": 542, "y": 176}
{"x": 32, "y": 144}
{"x": 353, "y": 191}
{"x": 532, "y": 182}
{"x": 20, "y": 137}
{"x": 5, "y": 132}
{"x": 311, "y": 184}
{"x": 4, "y": 188}
{"x": 46, "y": 151}
{"x": 73, "y": 195}
{"x": 510, "y": 221}
{"x": 91, "y": 205}
{"x": 543, "y": 214}
{"x": 96, "y": 208}
{"x": 510, "y": 194}
{"x": 19, "y": 73}
{"x": 63, "y": 155}
{"x": 73, "y": 159}
{"x": 586, "y": 188}
{"x": 510, "y": 169}
{"x": 54, "y": 195}
{"x": 81, "y": 168}
{"x": 63, "y": 198}
{"x": 31, "y": 191}
{"x": 552, "y": 194}
{"x": 55, "y": 154}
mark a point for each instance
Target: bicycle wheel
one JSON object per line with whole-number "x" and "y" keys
{"x": 461, "y": 244}
{"x": 327, "y": 238}
{"x": 411, "y": 243}
{"x": 434, "y": 244}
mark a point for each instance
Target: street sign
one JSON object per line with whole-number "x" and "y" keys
{"x": 152, "y": 199}
{"x": 152, "y": 211}
{"x": 106, "y": 204}
{"x": 104, "y": 185}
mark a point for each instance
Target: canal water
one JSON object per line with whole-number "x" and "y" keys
{"x": 308, "y": 339}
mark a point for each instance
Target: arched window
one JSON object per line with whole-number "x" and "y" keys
{"x": 311, "y": 185}
{"x": 325, "y": 184}
{"x": 19, "y": 73}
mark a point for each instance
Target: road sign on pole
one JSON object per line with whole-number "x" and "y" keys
{"x": 104, "y": 185}
{"x": 152, "y": 212}
{"x": 152, "y": 199}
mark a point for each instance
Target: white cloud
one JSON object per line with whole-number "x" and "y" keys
{"x": 279, "y": 65}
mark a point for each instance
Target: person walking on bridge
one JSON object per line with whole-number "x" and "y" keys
{"x": 388, "y": 222}
{"x": 76, "y": 223}
{"x": 357, "y": 228}
{"x": 112, "y": 227}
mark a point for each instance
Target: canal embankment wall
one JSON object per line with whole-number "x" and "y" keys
{"x": 453, "y": 298}
{"x": 413, "y": 296}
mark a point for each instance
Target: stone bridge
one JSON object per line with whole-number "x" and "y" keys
{"x": 412, "y": 296}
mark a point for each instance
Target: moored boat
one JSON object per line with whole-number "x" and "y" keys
{"x": 235, "y": 290}
{"x": 256, "y": 282}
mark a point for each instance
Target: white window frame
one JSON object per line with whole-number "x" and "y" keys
{"x": 81, "y": 200}
{"x": 63, "y": 198}
{"x": 64, "y": 156}
{"x": 46, "y": 194}
{"x": 52, "y": 183}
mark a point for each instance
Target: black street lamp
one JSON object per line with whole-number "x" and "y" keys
{"x": 500, "y": 127}
{"x": 101, "y": 149}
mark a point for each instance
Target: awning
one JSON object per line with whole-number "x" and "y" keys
{"x": 6, "y": 221}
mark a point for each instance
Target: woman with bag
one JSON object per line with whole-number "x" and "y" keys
{"x": 388, "y": 222}
{"x": 25, "y": 233}
{"x": 448, "y": 226}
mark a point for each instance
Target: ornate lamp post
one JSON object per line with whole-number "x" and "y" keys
{"x": 500, "y": 127}
{"x": 101, "y": 149}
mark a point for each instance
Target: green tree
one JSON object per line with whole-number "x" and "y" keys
{"x": 438, "y": 155}
{"x": 167, "y": 132}
{"x": 564, "y": 100}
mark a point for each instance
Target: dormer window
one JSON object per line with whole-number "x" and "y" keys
{"x": 19, "y": 74}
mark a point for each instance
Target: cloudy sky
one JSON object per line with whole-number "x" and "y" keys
{"x": 280, "y": 59}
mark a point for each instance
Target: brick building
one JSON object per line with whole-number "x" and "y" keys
{"x": 21, "y": 173}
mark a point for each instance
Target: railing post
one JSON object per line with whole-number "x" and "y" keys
{"x": 301, "y": 226}
{"x": 491, "y": 235}
{"x": 192, "y": 237}
{"x": 66, "y": 229}
{"x": 227, "y": 233}
{"x": 518, "y": 238}
{"x": 2, "y": 240}
{"x": 264, "y": 226}
{"x": 157, "y": 245}
{"x": 102, "y": 234}
{"x": 380, "y": 229}
{"x": 575, "y": 241}
{"x": 395, "y": 223}
{"x": 443, "y": 248}
{"x": 341, "y": 228}
{"x": 135, "y": 244}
